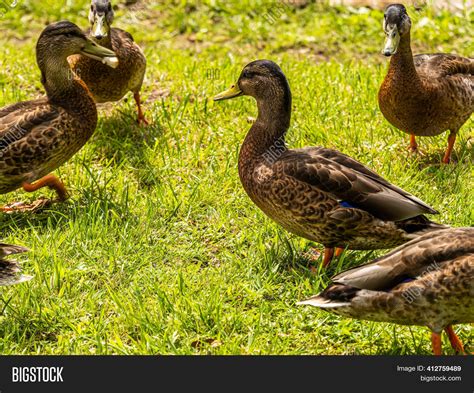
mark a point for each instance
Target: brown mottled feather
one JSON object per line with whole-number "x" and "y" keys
{"x": 306, "y": 190}
{"x": 427, "y": 94}
{"x": 38, "y": 136}
{"x": 107, "y": 84}
{"x": 10, "y": 271}
{"x": 428, "y": 281}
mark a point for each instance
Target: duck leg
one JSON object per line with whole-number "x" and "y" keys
{"x": 454, "y": 340}
{"x": 449, "y": 150}
{"x": 50, "y": 181}
{"x": 338, "y": 252}
{"x": 436, "y": 343}
{"x": 141, "y": 117}
{"x": 413, "y": 145}
{"x": 328, "y": 254}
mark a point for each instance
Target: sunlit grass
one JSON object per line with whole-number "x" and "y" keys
{"x": 159, "y": 249}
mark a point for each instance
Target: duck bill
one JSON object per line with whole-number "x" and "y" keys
{"x": 99, "y": 53}
{"x": 234, "y": 91}
{"x": 391, "y": 41}
{"x": 99, "y": 29}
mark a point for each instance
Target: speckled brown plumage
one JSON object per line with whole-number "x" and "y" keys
{"x": 107, "y": 84}
{"x": 428, "y": 281}
{"x": 38, "y": 136}
{"x": 10, "y": 271}
{"x": 427, "y": 94}
{"x": 315, "y": 192}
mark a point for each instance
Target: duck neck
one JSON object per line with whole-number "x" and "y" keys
{"x": 62, "y": 85}
{"x": 402, "y": 66}
{"x": 266, "y": 138}
{"x": 106, "y": 41}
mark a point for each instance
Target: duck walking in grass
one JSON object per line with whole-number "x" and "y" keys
{"x": 315, "y": 192}
{"x": 106, "y": 84}
{"x": 427, "y": 282}
{"x": 10, "y": 271}
{"x": 37, "y": 137}
{"x": 424, "y": 95}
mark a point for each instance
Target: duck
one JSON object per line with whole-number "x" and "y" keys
{"x": 106, "y": 84}
{"x": 38, "y": 136}
{"x": 317, "y": 193}
{"x": 10, "y": 271}
{"x": 428, "y": 281}
{"x": 426, "y": 94}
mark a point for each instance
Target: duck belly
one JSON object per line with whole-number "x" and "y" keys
{"x": 418, "y": 117}
{"x": 309, "y": 214}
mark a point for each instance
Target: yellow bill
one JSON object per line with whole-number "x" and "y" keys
{"x": 234, "y": 91}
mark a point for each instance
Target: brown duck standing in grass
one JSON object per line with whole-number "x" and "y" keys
{"x": 108, "y": 84}
{"x": 37, "y": 137}
{"x": 427, "y": 94}
{"x": 426, "y": 282}
{"x": 10, "y": 271}
{"x": 315, "y": 192}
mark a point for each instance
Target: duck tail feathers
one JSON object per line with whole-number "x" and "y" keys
{"x": 419, "y": 225}
{"x": 334, "y": 296}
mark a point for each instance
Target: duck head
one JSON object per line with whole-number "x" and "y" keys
{"x": 261, "y": 79}
{"x": 63, "y": 39}
{"x": 101, "y": 16}
{"x": 396, "y": 24}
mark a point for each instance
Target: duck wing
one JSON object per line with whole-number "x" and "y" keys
{"x": 122, "y": 35}
{"x": 426, "y": 253}
{"x": 18, "y": 107}
{"x": 350, "y": 183}
{"x": 29, "y": 118}
{"x": 439, "y": 65}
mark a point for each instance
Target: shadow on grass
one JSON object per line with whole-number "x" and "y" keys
{"x": 308, "y": 260}
{"x": 463, "y": 154}
{"x": 59, "y": 214}
{"x": 120, "y": 139}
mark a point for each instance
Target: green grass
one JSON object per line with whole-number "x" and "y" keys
{"x": 160, "y": 250}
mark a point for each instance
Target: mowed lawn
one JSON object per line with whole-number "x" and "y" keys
{"x": 159, "y": 250}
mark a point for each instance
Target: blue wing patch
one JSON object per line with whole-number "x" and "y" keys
{"x": 346, "y": 204}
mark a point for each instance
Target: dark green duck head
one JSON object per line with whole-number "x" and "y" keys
{"x": 396, "y": 25}
{"x": 101, "y": 16}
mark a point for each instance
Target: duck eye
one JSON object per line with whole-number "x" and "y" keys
{"x": 248, "y": 74}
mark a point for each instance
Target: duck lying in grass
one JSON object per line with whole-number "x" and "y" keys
{"x": 38, "y": 136}
{"x": 428, "y": 281}
{"x": 315, "y": 192}
{"x": 112, "y": 84}
{"x": 427, "y": 94}
{"x": 10, "y": 272}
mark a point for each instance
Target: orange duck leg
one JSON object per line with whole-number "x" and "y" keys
{"x": 50, "y": 181}
{"x": 449, "y": 150}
